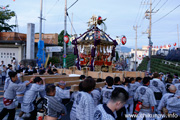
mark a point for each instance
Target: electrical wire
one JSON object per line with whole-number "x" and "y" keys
{"x": 156, "y": 5}
{"x": 53, "y": 6}
{"x": 163, "y": 5}
{"x": 71, "y": 24}
{"x": 166, "y": 14}
{"x": 138, "y": 12}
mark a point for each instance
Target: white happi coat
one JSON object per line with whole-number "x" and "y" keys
{"x": 145, "y": 95}
{"x": 10, "y": 92}
{"x": 101, "y": 114}
{"x": 84, "y": 106}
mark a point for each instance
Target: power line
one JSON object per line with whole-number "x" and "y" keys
{"x": 52, "y": 7}
{"x": 163, "y": 5}
{"x": 166, "y": 14}
{"x": 71, "y": 24}
{"x": 141, "y": 14}
{"x": 138, "y": 12}
{"x": 156, "y": 5}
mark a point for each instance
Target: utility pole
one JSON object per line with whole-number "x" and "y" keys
{"x": 135, "y": 28}
{"x": 65, "y": 19}
{"x": 178, "y": 34}
{"x": 40, "y": 27}
{"x": 149, "y": 36}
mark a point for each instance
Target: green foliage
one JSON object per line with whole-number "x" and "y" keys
{"x": 70, "y": 60}
{"x": 117, "y": 56}
{"x": 158, "y": 66}
{"x": 61, "y": 38}
{"x": 5, "y": 15}
{"x": 54, "y": 60}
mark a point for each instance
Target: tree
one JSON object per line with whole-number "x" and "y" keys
{"x": 117, "y": 56}
{"x": 5, "y": 15}
{"x": 61, "y": 38}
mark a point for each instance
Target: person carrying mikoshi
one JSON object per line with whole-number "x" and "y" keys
{"x": 117, "y": 101}
{"x": 84, "y": 101}
{"x": 146, "y": 99}
{"x": 52, "y": 107}
{"x": 28, "y": 105}
{"x": 9, "y": 96}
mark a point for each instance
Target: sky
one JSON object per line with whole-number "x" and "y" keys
{"x": 121, "y": 16}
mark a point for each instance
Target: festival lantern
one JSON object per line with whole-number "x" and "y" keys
{"x": 174, "y": 44}
{"x": 66, "y": 39}
{"x": 169, "y": 45}
{"x": 14, "y": 0}
{"x": 4, "y": 7}
{"x": 164, "y": 46}
{"x": 160, "y": 46}
{"x": 123, "y": 40}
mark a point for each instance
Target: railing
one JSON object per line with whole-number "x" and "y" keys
{"x": 170, "y": 63}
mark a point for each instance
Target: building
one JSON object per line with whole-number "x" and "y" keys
{"x": 13, "y": 44}
{"x": 141, "y": 53}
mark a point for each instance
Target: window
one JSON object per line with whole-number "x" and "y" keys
{"x": 10, "y": 53}
{"x": 1, "y": 53}
{"x": 1, "y": 56}
{"x": 7, "y": 53}
{"x": 4, "y": 53}
{"x": 13, "y": 54}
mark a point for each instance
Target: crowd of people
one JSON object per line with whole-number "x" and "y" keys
{"x": 156, "y": 94}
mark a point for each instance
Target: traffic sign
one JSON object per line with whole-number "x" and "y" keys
{"x": 64, "y": 56}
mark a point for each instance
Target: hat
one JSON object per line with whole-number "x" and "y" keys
{"x": 36, "y": 67}
{"x": 62, "y": 83}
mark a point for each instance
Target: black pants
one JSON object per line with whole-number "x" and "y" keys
{"x": 5, "y": 111}
{"x": 3, "y": 79}
{"x": 33, "y": 115}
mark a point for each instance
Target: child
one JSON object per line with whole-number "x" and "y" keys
{"x": 84, "y": 101}
{"x": 53, "y": 108}
{"x": 106, "y": 91}
{"x": 10, "y": 94}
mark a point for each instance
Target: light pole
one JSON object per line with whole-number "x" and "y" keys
{"x": 65, "y": 19}
{"x": 65, "y": 26}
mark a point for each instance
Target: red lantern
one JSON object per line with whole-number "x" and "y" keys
{"x": 174, "y": 44}
{"x": 160, "y": 46}
{"x": 154, "y": 46}
{"x": 66, "y": 39}
{"x": 123, "y": 40}
{"x": 4, "y": 7}
{"x": 99, "y": 18}
{"x": 13, "y": 0}
{"x": 157, "y": 47}
{"x": 164, "y": 46}
{"x": 169, "y": 45}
